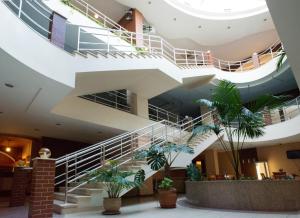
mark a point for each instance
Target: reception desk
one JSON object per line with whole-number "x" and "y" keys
{"x": 266, "y": 195}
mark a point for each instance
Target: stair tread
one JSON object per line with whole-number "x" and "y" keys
{"x": 64, "y": 205}
{"x": 72, "y": 195}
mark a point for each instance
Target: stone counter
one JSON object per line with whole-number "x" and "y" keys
{"x": 267, "y": 195}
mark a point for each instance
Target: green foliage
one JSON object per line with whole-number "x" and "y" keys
{"x": 194, "y": 173}
{"x": 162, "y": 155}
{"x": 234, "y": 119}
{"x": 166, "y": 184}
{"x": 115, "y": 180}
{"x": 66, "y": 2}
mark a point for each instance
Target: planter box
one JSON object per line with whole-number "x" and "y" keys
{"x": 255, "y": 195}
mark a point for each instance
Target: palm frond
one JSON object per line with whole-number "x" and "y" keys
{"x": 280, "y": 60}
{"x": 269, "y": 101}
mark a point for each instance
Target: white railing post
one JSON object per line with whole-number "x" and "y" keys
{"x": 104, "y": 22}
{"x": 107, "y": 43}
{"x": 174, "y": 55}
{"x": 186, "y": 59}
{"x": 161, "y": 46}
{"x": 241, "y": 66}
{"x": 271, "y": 52}
{"x": 195, "y": 56}
{"x": 20, "y": 8}
{"x": 229, "y": 68}
{"x": 203, "y": 59}
{"x": 78, "y": 38}
{"x": 219, "y": 62}
{"x": 121, "y": 144}
{"x": 87, "y": 10}
{"x": 66, "y": 180}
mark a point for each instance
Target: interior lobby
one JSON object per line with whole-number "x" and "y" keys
{"x": 149, "y": 108}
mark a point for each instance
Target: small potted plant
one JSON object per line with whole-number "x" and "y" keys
{"x": 167, "y": 194}
{"x": 162, "y": 156}
{"x": 115, "y": 182}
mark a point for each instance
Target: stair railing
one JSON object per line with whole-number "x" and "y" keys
{"x": 71, "y": 168}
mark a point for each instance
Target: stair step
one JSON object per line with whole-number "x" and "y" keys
{"x": 83, "y": 191}
{"x": 73, "y": 198}
{"x": 61, "y": 207}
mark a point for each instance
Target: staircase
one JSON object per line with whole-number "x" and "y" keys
{"x": 74, "y": 195}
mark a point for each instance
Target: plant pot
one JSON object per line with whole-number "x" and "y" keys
{"x": 167, "y": 198}
{"x": 112, "y": 206}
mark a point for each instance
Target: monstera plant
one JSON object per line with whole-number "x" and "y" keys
{"x": 162, "y": 156}
{"x": 234, "y": 122}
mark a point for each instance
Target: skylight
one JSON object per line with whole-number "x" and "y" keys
{"x": 221, "y": 8}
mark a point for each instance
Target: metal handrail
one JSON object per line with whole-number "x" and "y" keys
{"x": 140, "y": 43}
{"x": 157, "y": 114}
{"x": 93, "y": 157}
{"x": 35, "y": 22}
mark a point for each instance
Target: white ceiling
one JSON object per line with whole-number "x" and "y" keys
{"x": 26, "y": 108}
{"x": 245, "y": 36}
{"x": 211, "y": 33}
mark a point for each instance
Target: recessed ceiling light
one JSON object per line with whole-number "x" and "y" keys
{"x": 58, "y": 124}
{"x": 265, "y": 19}
{"x": 8, "y": 149}
{"x": 174, "y": 19}
{"x": 149, "y": 2}
{"x": 199, "y": 26}
{"x": 9, "y": 85}
{"x": 228, "y": 27}
{"x": 99, "y": 132}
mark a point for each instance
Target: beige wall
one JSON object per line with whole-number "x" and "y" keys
{"x": 212, "y": 163}
{"x": 277, "y": 159}
{"x": 224, "y": 164}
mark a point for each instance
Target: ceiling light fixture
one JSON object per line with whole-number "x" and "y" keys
{"x": 228, "y": 27}
{"x": 9, "y": 85}
{"x": 199, "y": 26}
{"x": 58, "y": 124}
{"x": 128, "y": 15}
{"x": 149, "y": 2}
{"x": 8, "y": 149}
{"x": 174, "y": 19}
{"x": 265, "y": 19}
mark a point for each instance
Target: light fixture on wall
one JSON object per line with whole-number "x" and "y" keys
{"x": 8, "y": 149}
{"x": 262, "y": 170}
{"x": 96, "y": 16}
{"x": 128, "y": 15}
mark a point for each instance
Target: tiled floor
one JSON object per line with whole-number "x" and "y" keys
{"x": 151, "y": 210}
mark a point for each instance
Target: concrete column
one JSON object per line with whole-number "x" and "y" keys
{"x": 209, "y": 58}
{"x": 212, "y": 162}
{"x": 42, "y": 188}
{"x": 20, "y": 182}
{"x": 139, "y": 106}
{"x": 255, "y": 60}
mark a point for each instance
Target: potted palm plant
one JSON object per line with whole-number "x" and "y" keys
{"x": 162, "y": 156}
{"x": 235, "y": 121}
{"x": 115, "y": 182}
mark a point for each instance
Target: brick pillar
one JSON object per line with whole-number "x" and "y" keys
{"x": 42, "y": 188}
{"x": 19, "y": 186}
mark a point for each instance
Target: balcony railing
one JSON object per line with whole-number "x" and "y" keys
{"x": 121, "y": 100}
{"x": 111, "y": 38}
